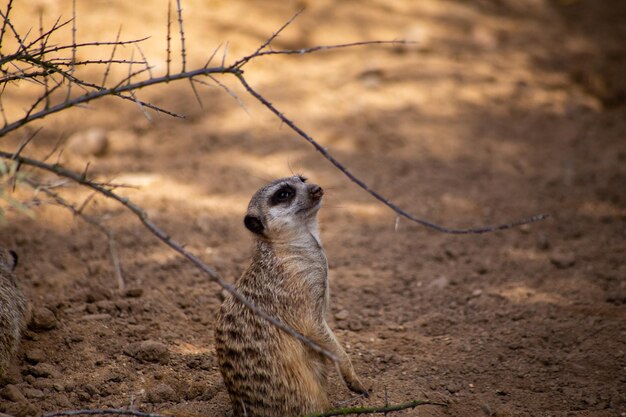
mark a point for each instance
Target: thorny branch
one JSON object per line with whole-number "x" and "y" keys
{"x": 399, "y": 211}
{"x": 31, "y": 62}
{"x": 165, "y": 238}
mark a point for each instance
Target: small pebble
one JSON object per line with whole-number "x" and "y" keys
{"x": 134, "y": 292}
{"x": 42, "y": 319}
{"x": 161, "y": 393}
{"x": 97, "y": 293}
{"x": 34, "y": 356}
{"x": 149, "y": 351}
{"x": 563, "y": 260}
{"x": 43, "y": 370}
{"x": 542, "y": 242}
{"x": 33, "y": 393}
{"x": 90, "y": 389}
{"x": 453, "y": 387}
{"x": 486, "y": 409}
{"x": 95, "y": 317}
{"x": 12, "y": 393}
{"x": 342, "y": 315}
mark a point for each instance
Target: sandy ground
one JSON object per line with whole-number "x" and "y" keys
{"x": 502, "y": 109}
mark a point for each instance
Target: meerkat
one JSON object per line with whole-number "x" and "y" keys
{"x": 13, "y": 309}
{"x": 267, "y": 372}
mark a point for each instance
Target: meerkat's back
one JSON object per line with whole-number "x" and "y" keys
{"x": 267, "y": 372}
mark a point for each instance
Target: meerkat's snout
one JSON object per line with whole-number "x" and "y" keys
{"x": 316, "y": 192}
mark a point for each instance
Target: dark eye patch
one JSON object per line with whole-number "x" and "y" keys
{"x": 283, "y": 195}
{"x": 302, "y": 178}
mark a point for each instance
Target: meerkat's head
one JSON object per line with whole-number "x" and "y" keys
{"x": 285, "y": 210}
{"x": 8, "y": 260}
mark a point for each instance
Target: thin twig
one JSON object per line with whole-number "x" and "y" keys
{"x": 169, "y": 37}
{"x": 4, "y": 115}
{"x": 73, "y": 66}
{"x": 8, "y": 23}
{"x": 18, "y": 55}
{"x": 208, "y": 62}
{"x": 25, "y": 143}
{"x": 117, "y": 266}
{"x": 145, "y": 60}
{"x": 195, "y": 93}
{"x": 386, "y": 402}
{"x": 107, "y": 412}
{"x": 4, "y": 23}
{"x": 330, "y": 47}
{"x": 268, "y": 41}
{"x": 224, "y": 53}
{"x": 43, "y": 41}
{"x": 97, "y": 61}
{"x": 49, "y": 32}
{"x": 183, "y": 52}
{"x": 108, "y": 67}
{"x": 231, "y": 93}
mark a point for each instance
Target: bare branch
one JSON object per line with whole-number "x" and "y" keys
{"x": 372, "y": 192}
{"x": 165, "y": 238}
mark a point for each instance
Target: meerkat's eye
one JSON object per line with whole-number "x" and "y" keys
{"x": 283, "y": 195}
{"x": 302, "y": 178}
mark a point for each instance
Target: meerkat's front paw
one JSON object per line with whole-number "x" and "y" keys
{"x": 357, "y": 387}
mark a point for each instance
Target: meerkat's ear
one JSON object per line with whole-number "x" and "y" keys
{"x": 14, "y": 256}
{"x": 254, "y": 224}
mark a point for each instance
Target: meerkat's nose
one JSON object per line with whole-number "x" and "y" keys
{"x": 316, "y": 192}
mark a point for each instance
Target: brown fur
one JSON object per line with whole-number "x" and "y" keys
{"x": 267, "y": 372}
{"x": 13, "y": 310}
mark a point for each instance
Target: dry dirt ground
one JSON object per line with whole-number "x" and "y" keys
{"x": 502, "y": 109}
